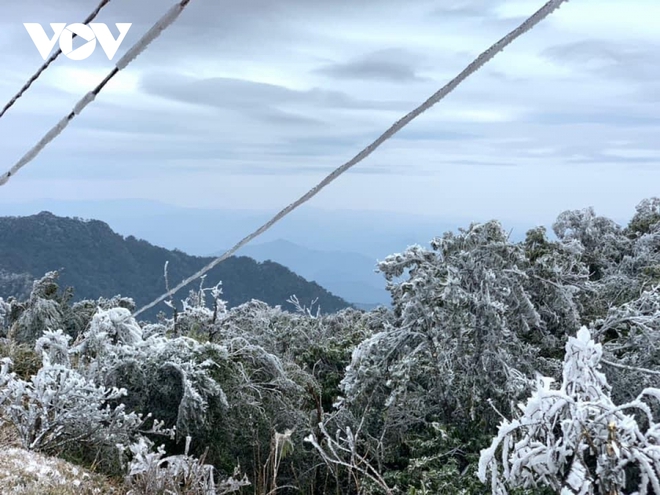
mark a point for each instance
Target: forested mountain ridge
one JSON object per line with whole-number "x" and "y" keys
{"x": 97, "y": 262}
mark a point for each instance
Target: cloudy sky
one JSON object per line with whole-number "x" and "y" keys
{"x": 249, "y": 103}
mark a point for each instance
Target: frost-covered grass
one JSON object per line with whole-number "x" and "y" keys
{"x": 29, "y": 473}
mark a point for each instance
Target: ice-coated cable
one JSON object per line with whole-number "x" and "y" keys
{"x": 479, "y": 62}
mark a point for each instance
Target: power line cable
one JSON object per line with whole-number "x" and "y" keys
{"x": 163, "y": 23}
{"x": 50, "y": 60}
{"x": 532, "y": 21}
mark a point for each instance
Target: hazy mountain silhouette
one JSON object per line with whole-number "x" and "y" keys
{"x": 350, "y": 275}
{"x": 98, "y": 262}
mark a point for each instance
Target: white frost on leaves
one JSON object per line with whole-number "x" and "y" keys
{"x": 117, "y": 324}
{"x": 151, "y": 471}
{"x": 575, "y": 439}
{"x": 461, "y": 309}
{"x": 58, "y": 406}
{"x": 54, "y": 347}
{"x": 4, "y": 316}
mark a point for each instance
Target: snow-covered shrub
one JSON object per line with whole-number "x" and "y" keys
{"x": 116, "y": 325}
{"x": 214, "y": 392}
{"x": 293, "y": 362}
{"x": 264, "y": 394}
{"x": 574, "y": 439}
{"x": 166, "y": 377}
{"x": 320, "y": 345}
{"x": 25, "y": 360}
{"x": 196, "y": 319}
{"x": 42, "y": 311}
{"x": 59, "y": 407}
{"x": 153, "y": 472}
{"x": 54, "y": 348}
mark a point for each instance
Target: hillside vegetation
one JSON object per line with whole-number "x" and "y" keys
{"x": 502, "y": 367}
{"x": 100, "y": 263}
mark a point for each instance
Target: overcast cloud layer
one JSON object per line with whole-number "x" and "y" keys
{"x": 250, "y": 103}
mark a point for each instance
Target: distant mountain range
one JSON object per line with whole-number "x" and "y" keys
{"x": 199, "y": 231}
{"x": 350, "y": 275}
{"x": 98, "y": 262}
{"x": 336, "y": 248}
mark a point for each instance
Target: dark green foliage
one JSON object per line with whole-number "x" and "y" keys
{"x": 26, "y": 361}
{"x": 646, "y": 220}
{"x": 441, "y": 460}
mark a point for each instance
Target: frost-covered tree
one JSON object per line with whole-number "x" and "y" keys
{"x": 643, "y": 264}
{"x": 558, "y": 284}
{"x": 646, "y": 219}
{"x": 42, "y": 311}
{"x": 601, "y": 238}
{"x": 616, "y": 261}
{"x": 459, "y": 339}
{"x": 460, "y": 336}
{"x": 574, "y": 439}
{"x": 630, "y": 335}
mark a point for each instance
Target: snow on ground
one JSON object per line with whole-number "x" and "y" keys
{"x": 23, "y": 472}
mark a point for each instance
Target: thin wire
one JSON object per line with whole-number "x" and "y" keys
{"x": 50, "y": 60}
{"x": 163, "y": 23}
{"x": 532, "y": 21}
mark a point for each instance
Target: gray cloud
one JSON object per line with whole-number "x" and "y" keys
{"x": 609, "y": 59}
{"x": 259, "y": 100}
{"x": 290, "y": 89}
{"x": 390, "y": 65}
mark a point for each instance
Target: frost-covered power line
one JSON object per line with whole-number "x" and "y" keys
{"x": 50, "y": 60}
{"x": 163, "y": 23}
{"x": 532, "y": 21}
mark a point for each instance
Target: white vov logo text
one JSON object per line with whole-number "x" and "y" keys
{"x": 90, "y": 33}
